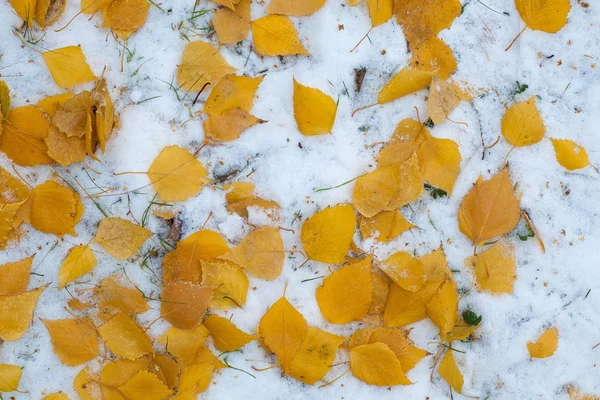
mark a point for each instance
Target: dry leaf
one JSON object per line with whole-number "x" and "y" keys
{"x": 522, "y": 124}
{"x": 314, "y": 111}
{"x": 113, "y": 298}
{"x": 439, "y": 160}
{"x": 10, "y": 375}
{"x": 490, "y": 209}
{"x": 71, "y": 117}
{"x": 194, "y": 379}
{"x": 275, "y": 35}
{"x": 14, "y": 276}
{"x": 548, "y": 15}
{"x": 121, "y": 238}
{"x": 379, "y": 296}
{"x": 48, "y": 11}
{"x": 232, "y": 26}
{"x": 144, "y": 385}
{"x": 405, "y": 270}
{"x": 495, "y": 268}
{"x": 184, "y": 304}
{"x": 376, "y": 364}
{"x": 184, "y": 344}
{"x": 442, "y": 309}
{"x": 546, "y": 344}
{"x": 68, "y": 66}
{"x": 570, "y": 155}
{"x": 176, "y": 174}
{"x": 384, "y": 226}
{"x": 226, "y": 336}
{"x": 436, "y": 56}
{"x": 231, "y": 92}
{"x": 242, "y": 196}
{"x": 327, "y": 235}
{"x": 167, "y": 370}
{"x": 423, "y": 19}
{"x": 79, "y": 261}
{"x": 315, "y": 356}
{"x": 201, "y": 64}
{"x": 442, "y": 100}
{"x": 125, "y": 338}
{"x": 405, "y": 82}
{"x": 54, "y": 209}
{"x": 296, "y": 8}
{"x": 13, "y": 190}
{"x": 229, "y": 125}
{"x": 74, "y": 340}
{"x": 23, "y": 134}
{"x": 450, "y": 372}
{"x": 346, "y": 294}
{"x": 229, "y": 281}
{"x": 125, "y": 16}
{"x": 65, "y": 150}
{"x": 86, "y": 385}
{"x": 16, "y": 313}
{"x": 397, "y": 340}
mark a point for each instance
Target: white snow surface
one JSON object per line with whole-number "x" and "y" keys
{"x": 551, "y": 287}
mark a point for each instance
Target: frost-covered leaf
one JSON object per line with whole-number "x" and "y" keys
{"x": 405, "y": 270}
{"x": 121, "y": 238}
{"x": 144, "y": 385}
{"x": 231, "y": 92}
{"x": 423, "y": 19}
{"x": 315, "y": 356}
{"x": 495, "y": 268}
{"x": 384, "y": 226}
{"x": 436, "y": 56}
{"x": 232, "y": 26}
{"x": 229, "y": 281}
{"x": 124, "y": 337}
{"x": 14, "y": 276}
{"x": 75, "y": 341}
{"x": 124, "y": 17}
{"x": 544, "y": 15}
{"x": 23, "y": 134}
{"x": 184, "y": 344}
{"x": 376, "y": 364}
{"x": 16, "y": 313}
{"x": 184, "y": 304}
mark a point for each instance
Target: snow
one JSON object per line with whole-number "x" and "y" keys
{"x": 552, "y": 289}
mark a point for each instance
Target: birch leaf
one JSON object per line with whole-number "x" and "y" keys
{"x": 226, "y": 336}
{"x": 315, "y": 356}
{"x": 121, "y": 238}
{"x": 125, "y": 338}
{"x": 125, "y": 16}
{"x": 442, "y": 100}
{"x": 68, "y": 66}
{"x": 495, "y": 268}
{"x": 70, "y": 117}
{"x": 230, "y": 125}
{"x": 79, "y": 261}
{"x": 397, "y": 340}
{"x": 548, "y": 16}
{"x": 4, "y": 100}
{"x": 48, "y": 11}
{"x": 229, "y": 281}
{"x": 65, "y": 150}
{"x": 380, "y": 11}
{"x": 23, "y": 134}
{"x": 314, "y": 111}
{"x": 54, "y": 209}
{"x": 423, "y": 19}
{"x": 569, "y": 154}
{"x": 436, "y": 56}
{"x": 384, "y": 226}
{"x": 16, "y": 313}
{"x": 75, "y": 341}
{"x": 442, "y": 309}
{"x": 10, "y": 375}
{"x": 14, "y": 276}
{"x": 201, "y": 64}
{"x": 184, "y": 344}
{"x": 405, "y": 82}
{"x": 232, "y": 26}
{"x": 450, "y": 372}
{"x": 296, "y": 8}
{"x": 113, "y": 297}
{"x": 405, "y": 270}
{"x": 13, "y": 190}
{"x": 144, "y": 385}
{"x": 275, "y": 35}
{"x": 25, "y": 9}
{"x": 231, "y": 92}
{"x": 377, "y": 365}
{"x": 56, "y": 396}
{"x": 522, "y": 124}
{"x": 546, "y": 344}
{"x": 184, "y": 304}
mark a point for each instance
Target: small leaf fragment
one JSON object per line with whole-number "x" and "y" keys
{"x": 546, "y": 344}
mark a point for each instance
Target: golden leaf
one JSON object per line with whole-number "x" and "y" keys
{"x": 569, "y": 154}
{"x": 495, "y": 268}
{"x": 113, "y": 298}
{"x": 315, "y": 356}
{"x": 87, "y": 386}
{"x": 450, "y": 372}
{"x": 227, "y": 3}
{"x": 544, "y": 15}
{"x": 229, "y": 281}
{"x": 144, "y": 385}
{"x": 167, "y": 370}
{"x": 232, "y": 26}
{"x": 183, "y": 263}
{"x": 16, "y": 313}
{"x": 314, "y": 111}
{"x": 490, "y": 209}
{"x": 14, "y": 276}
{"x": 226, "y": 336}
{"x": 205, "y": 355}
{"x": 282, "y": 329}
{"x": 442, "y": 309}
{"x": 23, "y": 134}
{"x": 56, "y": 396}
{"x": 397, "y": 340}
{"x": 4, "y": 100}
{"x": 176, "y": 174}
{"x": 380, "y": 11}
{"x": 195, "y": 378}
{"x": 231, "y": 92}
{"x": 124, "y": 337}
{"x": 68, "y": 66}
{"x": 376, "y": 364}
{"x": 70, "y": 117}
{"x": 51, "y": 104}
{"x": 53, "y": 209}
{"x": 260, "y": 253}
{"x": 9, "y": 221}
{"x": 201, "y": 64}
{"x": 125, "y": 16}
{"x": 275, "y": 35}
{"x": 10, "y": 375}
{"x": 184, "y": 344}
{"x": 461, "y": 331}
{"x": 184, "y": 304}
{"x": 384, "y": 226}
{"x": 25, "y": 9}
{"x": 121, "y": 238}
{"x": 48, "y": 11}
{"x": 327, "y": 235}
{"x": 423, "y": 19}
{"x": 74, "y": 340}
{"x": 379, "y": 295}
{"x": 79, "y": 261}
{"x": 63, "y": 149}
{"x": 439, "y": 160}
{"x": 13, "y": 190}
{"x": 296, "y": 8}
{"x": 346, "y": 294}
{"x": 442, "y": 100}
{"x": 405, "y": 270}
{"x": 229, "y": 125}
{"x": 522, "y": 124}
{"x": 436, "y": 56}
{"x": 546, "y": 344}
{"x": 405, "y": 82}
{"x": 105, "y": 113}
{"x": 242, "y": 196}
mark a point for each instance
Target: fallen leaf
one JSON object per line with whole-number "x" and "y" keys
{"x": 56, "y": 396}
{"x": 230, "y": 125}
{"x": 195, "y": 379}
{"x": 63, "y": 149}
{"x": 75, "y": 341}
{"x": 16, "y": 313}
{"x": 450, "y": 372}
{"x": 48, "y": 11}
{"x": 548, "y": 15}
{"x": 380, "y": 292}
{"x": 184, "y": 304}
{"x": 423, "y": 19}
{"x": 570, "y": 155}
{"x": 546, "y": 344}
{"x": 23, "y": 134}
{"x": 125, "y": 338}
{"x": 314, "y": 111}
{"x": 231, "y": 92}
{"x": 377, "y": 365}
{"x": 25, "y": 9}
{"x": 275, "y": 35}
{"x": 296, "y": 8}
{"x": 522, "y": 124}
{"x": 405, "y": 270}
{"x": 13, "y": 190}
{"x": 226, "y": 336}
{"x": 54, "y": 209}
{"x": 442, "y": 100}
{"x": 434, "y": 55}
{"x": 79, "y": 261}
{"x": 144, "y": 385}
{"x": 232, "y": 26}
{"x": 86, "y": 385}
{"x": 242, "y": 196}
{"x": 495, "y": 268}
{"x": 439, "y": 160}
{"x": 229, "y": 281}
{"x": 327, "y": 235}
{"x": 380, "y": 11}
{"x": 315, "y": 356}
{"x": 4, "y": 100}
{"x": 184, "y": 344}
{"x": 442, "y": 309}
{"x": 71, "y": 117}
{"x": 68, "y": 66}
{"x": 167, "y": 370}
{"x": 125, "y": 16}
{"x": 397, "y": 340}
{"x": 14, "y": 276}
{"x": 121, "y": 238}
{"x": 10, "y": 375}
{"x": 201, "y": 64}
{"x": 405, "y": 82}
{"x": 346, "y": 294}
{"x": 114, "y": 298}
{"x": 384, "y": 226}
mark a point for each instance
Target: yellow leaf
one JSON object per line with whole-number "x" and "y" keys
{"x": 226, "y": 336}
{"x": 115, "y": 373}
{"x": 113, "y": 298}
{"x": 183, "y": 263}
{"x": 490, "y": 209}
{"x": 353, "y": 2}
{"x": 4, "y": 100}
{"x": 14, "y": 276}
{"x": 436, "y": 56}
{"x": 282, "y": 329}
{"x": 260, "y": 253}
{"x": 570, "y": 155}
{"x": 376, "y": 364}
{"x": 71, "y": 116}
{"x": 397, "y": 340}
{"x": 296, "y": 8}
{"x": 93, "y": 6}
{"x": 184, "y": 344}
{"x": 144, "y": 385}
{"x": 404, "y": 307}
{"x": 450, "y": 372}
{"x": 53, "y": 208}
{"x": 229, "y": 125}
{"x": 166, "y": 369}
{"x": 232, "y": 91}
{"x": 184, "y": 304}
{"x": 78, "y": 305}
{"x": 442, "y": 100}
{"x": 439, "y": 160}
{"x": 380, "y": 11}
{"x": 9, "y": 221}
{"x": 56, "y": 396}
{"x": 232, "y": 26}
{"x": 384, "y": 226}
{"x": 405, "y": 270}
{"x": 48, "y": 11}
{"x": 379, "y": 296}
{"x": 314, "y": 111}
{"x": 63, "y": 149}
{"x": 121, "y": 238}
{"x": 405, "y": 82}
{"x": 201, "y": 64}
{"x": 275, "y": 35}
{"x": 495, "y": 268}
{"x": 546, "y": 344}
{"x": 461, "y": 331}
{"x": 12, "y": 189}
{"x": 16, "y": 313}
{"x": 68, "y": 66}
{"x": 176, "y": 174}
{"x": 105, "y": 113}
{"x": 10, "y": 375}
{"x": 315, "y": 356}
{"x": 423, "y": 19}
{"x": 575, "y": 394}
{"x": 242, "y": 196}
{"x": 79, "y": 261}
{"x": 74, "y": 340}
{"x": 327, "y": 235}
{"x": 125, "y": 338}
{"x": 23, "y": 134}
{"x": 548, "y": 15}
{"x": 346, "y": 294}
{"x": 205, "y": 355}
{"x": 442, "y": 309}
{"x": 25, "y": 9}
{"x": 195, "y": 378}
{"x": 125, "y": 16}
{"x": 87, "y": 386}
{"x": 229, "y": 281}
{"x": 522, "y": 124}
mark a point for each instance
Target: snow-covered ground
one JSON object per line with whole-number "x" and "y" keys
{"x": 551, "y": 287}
